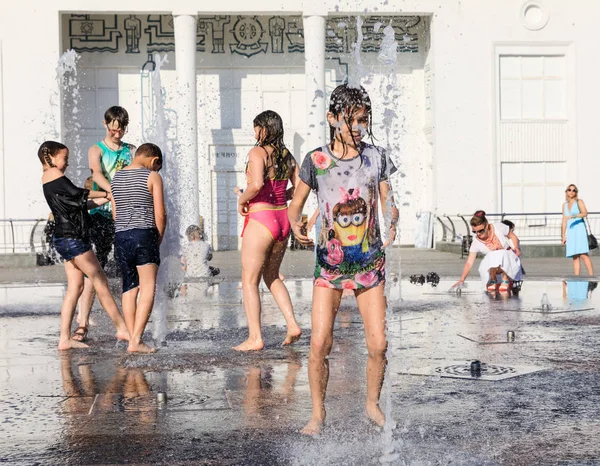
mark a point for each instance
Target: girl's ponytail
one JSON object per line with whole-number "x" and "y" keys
{"x": 48, "y": 149}
{"x": 47, "y": 158}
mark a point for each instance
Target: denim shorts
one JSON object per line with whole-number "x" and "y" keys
{"x": 134, "y": 248}
{"x": 70, "y": 248}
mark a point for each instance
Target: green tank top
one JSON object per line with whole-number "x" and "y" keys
{"x": 111, "y": 162}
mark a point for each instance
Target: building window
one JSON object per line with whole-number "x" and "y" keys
{"x": 533, "y": 87}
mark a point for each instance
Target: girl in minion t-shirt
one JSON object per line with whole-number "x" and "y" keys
{"x": 349, "y": 177}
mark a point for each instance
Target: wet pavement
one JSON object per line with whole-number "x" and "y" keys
{"x": 535, "y": 400}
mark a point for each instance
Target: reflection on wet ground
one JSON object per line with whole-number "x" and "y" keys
{"x": 100, "y": 405}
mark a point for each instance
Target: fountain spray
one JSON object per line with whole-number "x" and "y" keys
{"x": 169, "y": 273}
{"x": 388, "y": 57}
{"x": 68, "y": 82}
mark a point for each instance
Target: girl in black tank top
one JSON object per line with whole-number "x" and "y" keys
{"x": 70, "y": 204}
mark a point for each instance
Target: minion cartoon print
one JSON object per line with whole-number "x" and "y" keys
{"x": 349, "y": 251}
{"x": 350, "y": 224}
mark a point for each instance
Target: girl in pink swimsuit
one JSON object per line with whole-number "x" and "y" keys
{"x": 266, "y": 228}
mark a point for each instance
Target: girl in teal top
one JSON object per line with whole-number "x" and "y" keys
{"x": 111, "y": 161}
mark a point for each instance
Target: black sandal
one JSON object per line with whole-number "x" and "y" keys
{"x": 80, "y": 334}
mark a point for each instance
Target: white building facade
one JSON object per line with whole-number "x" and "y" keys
{"x": 485, "y": 105}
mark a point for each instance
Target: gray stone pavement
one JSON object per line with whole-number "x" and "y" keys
{"x": 99, "y": 405}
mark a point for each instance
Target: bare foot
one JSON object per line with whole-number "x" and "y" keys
{"x": 314, "y": 426}
{"x": 292, "y": 337}
{"x": 250, "y": 345}
{"x": 123, "y": 334}
{"x": 375, "y": 414}
{"x": 140, "y": 348}
{"x": 70, "y": 344}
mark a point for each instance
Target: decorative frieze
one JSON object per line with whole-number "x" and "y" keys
{"x": 247, "y": 36}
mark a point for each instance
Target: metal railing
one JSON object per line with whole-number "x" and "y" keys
{"x": 530, "y": 228}
{"x": 22, "y": 236}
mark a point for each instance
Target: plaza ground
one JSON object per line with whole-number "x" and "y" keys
{"x": 99, "y": 406}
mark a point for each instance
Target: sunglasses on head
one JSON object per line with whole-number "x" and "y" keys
{"x": 478, "y": 232}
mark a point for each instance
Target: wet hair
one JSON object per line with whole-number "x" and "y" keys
{"x": 118, "y": 114}
{"x": 194, "y": 229}
{"x": 49, "y": 148}
{"x": 576, "y": 192}
{"x": 352, "y": 206}
{"x": 478, "y": 218}
{"x": 509, "y": 224}
{"x": 346, "y": 101}
{"x": 149, "y": 150}
{"x": 281, "y": 161}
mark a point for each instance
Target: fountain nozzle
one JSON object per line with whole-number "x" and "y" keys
{"x": 476, "y": 368}
{"x": 545, "y": 304}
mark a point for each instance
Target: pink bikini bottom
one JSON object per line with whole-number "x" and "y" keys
{"x": 274, "y": 219}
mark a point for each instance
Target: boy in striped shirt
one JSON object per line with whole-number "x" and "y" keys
{"x": 140, "y": 221}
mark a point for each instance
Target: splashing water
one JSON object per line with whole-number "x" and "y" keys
{"x": 388, "y": 57}
{"x": 545, "y": 303}
{"x": 388, "y": 51}
{"x": 388, "y": 89}
{"x": 357, "y": 72}
{"x": 66, "y": 75}
{"x": 170, "y": 274}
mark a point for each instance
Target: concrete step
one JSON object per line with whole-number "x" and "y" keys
{"x": 527, "y": 250}
{"x": 18, "y": 260}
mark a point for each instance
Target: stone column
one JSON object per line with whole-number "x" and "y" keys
{"x": 314, "y": 67}
{"x": 187, "y": 119}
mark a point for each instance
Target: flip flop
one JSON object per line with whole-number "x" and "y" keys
{"x": 491, "y": 286}
{"x": 80, "y": 333}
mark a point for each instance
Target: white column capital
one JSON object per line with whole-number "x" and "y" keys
{"x": 184, "y": 13}
{"x": 315, "y": 10}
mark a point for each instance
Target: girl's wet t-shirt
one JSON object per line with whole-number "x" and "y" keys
{"x": 69, "y": 206}
{"x": 349, "y": 247}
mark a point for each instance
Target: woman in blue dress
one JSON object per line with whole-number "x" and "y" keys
{"x": 574, "y": 233}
